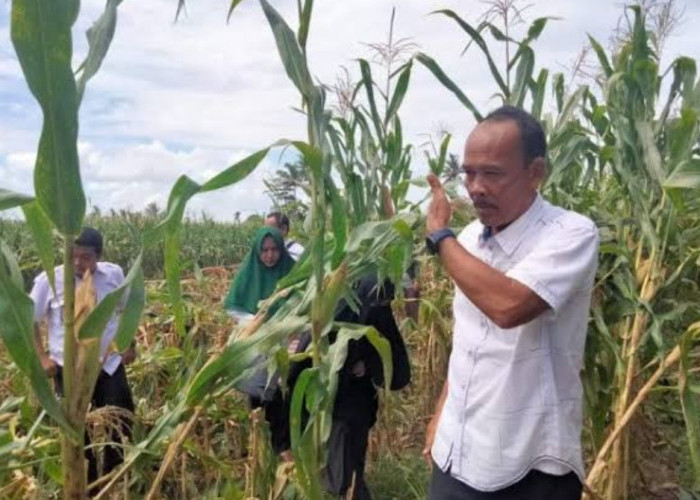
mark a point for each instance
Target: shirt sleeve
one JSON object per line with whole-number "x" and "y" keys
{"x": 118, "y": 277}
{"x": 41, "y": 295}
{"x": 561, "y": 264}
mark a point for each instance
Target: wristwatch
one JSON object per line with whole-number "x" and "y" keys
{"x": 432, "y": 241}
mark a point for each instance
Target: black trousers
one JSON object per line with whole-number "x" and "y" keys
{"x": 347, "y": 448}
{"x": 277, "y": 416}
{"x": 110, "y": 390}
{"x": 536, "y": 485}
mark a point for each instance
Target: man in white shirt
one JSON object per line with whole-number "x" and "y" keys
{"x": 281, "y": 222}
{"x": 508, "y": 422}
{"x": 111, "y": 388}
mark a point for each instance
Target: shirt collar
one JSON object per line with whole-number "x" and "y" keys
{"x": 99, "y": 269}
{"x": 510, "y": 237}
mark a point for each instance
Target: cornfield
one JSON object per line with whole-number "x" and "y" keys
{"x": 624, "y": 149}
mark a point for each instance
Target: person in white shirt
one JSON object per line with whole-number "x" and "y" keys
{"x": 112, "y": 387}
{"x": 281, "y": 222}
{"x": 508, "y": 422}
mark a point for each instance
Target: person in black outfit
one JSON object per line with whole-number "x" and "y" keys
{"x": 356, "y": 403}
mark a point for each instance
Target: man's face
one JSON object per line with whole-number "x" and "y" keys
{"x": 84, "y": 258}
{"x": 269, "y": 253}
{"x": 499, "y": 184}
{"x": 272, "y": 221}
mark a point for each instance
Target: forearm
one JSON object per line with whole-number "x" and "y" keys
{"x": 504, "y": 300}
{"x": 38, "y": 343}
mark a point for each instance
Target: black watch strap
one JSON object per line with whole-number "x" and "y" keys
{"x": 432, "y": 241}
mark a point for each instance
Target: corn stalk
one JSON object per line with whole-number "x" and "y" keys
{"x": 634, "y": 168}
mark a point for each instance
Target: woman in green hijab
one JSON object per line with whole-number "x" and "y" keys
{"x": 266, "y": 263}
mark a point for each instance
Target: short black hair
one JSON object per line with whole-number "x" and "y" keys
{"x": 92, "y": 238}
{"x": 532, "y": 138}
{"x": 280, "y": 219}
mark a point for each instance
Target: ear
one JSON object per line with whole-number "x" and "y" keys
{"x": 538, "y": 171}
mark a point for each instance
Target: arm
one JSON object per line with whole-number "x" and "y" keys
{"x": 47, "y": 363}
{"x": 432, "y": 425}
{"x": 40, "y": 295}
{"x": 504, "y": 300}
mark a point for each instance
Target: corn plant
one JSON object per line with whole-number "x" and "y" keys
{"x": 367, "y": 138}
{"x": 648, "y": 301}
{"x": 41, "y": 35}
{"x": 315, "y": 287}
{"x": 630, "y": 162}
{"x": 339, "y": 252}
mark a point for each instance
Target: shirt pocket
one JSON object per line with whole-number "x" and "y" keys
{"x": 509, "y": 388}
{"x": 55, "y": 316}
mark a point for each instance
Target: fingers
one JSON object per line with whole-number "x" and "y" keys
{"x": 426, "y": 455}
{"x": 434, "y": 183}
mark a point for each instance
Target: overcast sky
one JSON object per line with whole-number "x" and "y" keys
{"x": 193, "y": 96}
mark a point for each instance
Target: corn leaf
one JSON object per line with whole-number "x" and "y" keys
{"x": 602, "y": 56}
{"x": 523, "y": 75}
{"x": 437, "y": 71}
{"x": 289, "y": 50}
{"x": 685, "y": 176}
{"x": 17, "y": 332}
{"x": 232, "y": 7}
{"x": 539, "y": 89}
{"x": 10, "y": 199}
{"x": 368, "y": 84}
{"x": 477, "y": 38}
{"x": 135, "y": 303}
{"x": 96, "y": 322}
{"x": 339, "y": 222}
{"x": 399, "y": 93}
{"x": 99, "y": 38}
{"x": 40, "y": 227}
{"x": 305, "y": 23}
{"x": 239, "y": 356}
{"x": 41, "y": 35}
{"x": 691, "y": 414}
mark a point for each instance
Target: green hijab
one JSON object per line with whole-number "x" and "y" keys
{"x": 254, "y": 281}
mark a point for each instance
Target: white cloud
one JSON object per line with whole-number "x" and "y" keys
{"x": 192, "y": 96}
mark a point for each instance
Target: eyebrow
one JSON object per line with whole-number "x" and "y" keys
{"x": 480, "y": 167}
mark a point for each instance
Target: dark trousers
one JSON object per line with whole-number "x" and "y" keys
{"x": 345, "y": 468}
{"x": 277, "y": 417}
{"x": 536, "y": 485}
{"x": 110, "y": 390}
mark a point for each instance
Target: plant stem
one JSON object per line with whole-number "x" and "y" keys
{"x": 599, "y": 464}
{"x": 172, "y": 452}
{"x": 72, "y": 452}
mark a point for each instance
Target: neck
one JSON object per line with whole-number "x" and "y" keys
{"x": 498, "y": 229}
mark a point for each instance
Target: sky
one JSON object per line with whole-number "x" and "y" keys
{"x": 193, "y": 96}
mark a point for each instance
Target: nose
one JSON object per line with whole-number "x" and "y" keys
{"x": 475, "y": 186}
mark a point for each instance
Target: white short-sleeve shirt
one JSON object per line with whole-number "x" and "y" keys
{"x": 294, "y": 249}
{"x": 48, "y": 306}
{"x": 514, "y": 398}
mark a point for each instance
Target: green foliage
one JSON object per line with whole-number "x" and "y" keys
{"x": 204, "y": 242}
{"x": 41, "y": 35}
